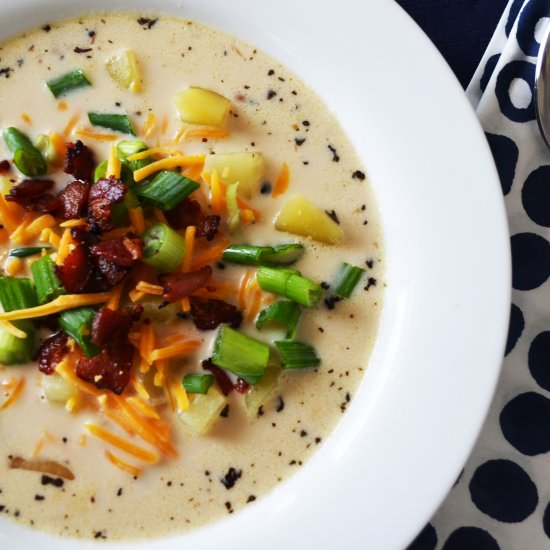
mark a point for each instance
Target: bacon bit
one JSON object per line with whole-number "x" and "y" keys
{"x": 241, "y": 386}
{"x": 110, "y": 370}
{"x": 178, "y": 285}
{"x": 113, "y": 259}
{"x": 28, "y": 191}
{"x": 43, "y": 466}
{"x": 282, "y": 181}
{"x": 122, "y": 444}
{"x": 14, "y": 395}
{"x": 103, "y": 195}
{"x": 75, "y": 271}
{"x": 174, "y": 350}
{"x": 79, "y": 161}
{"x": 109, "y": 325}
{"x": 122, "y": 465}
{"x": 187, "y": 212}
{"x": 208, "y": 314}
{"x": 67, "y": 131}
{"x": 5, "y": 166}
{"x": 73, "y": 200}
{"x": 66, "y": 370}
{"x": 222, "y": 379}
{"x": 51, "y": 352}
{"x": 208, "y": 227}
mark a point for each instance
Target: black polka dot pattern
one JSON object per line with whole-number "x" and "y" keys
{"x": 530, "y": 261}
{"x": 546, "y": 520}
{"x": 517, "y": 324}
{"x": 539, "y": 359}
{"x": 535, "y": 195}
{"x": 505, "y": 152}
{"x": 525, "y": 421}
{"x": 426, "y": 539}
{"x": 502, "y": 490}
{"x": 470, "y": 538}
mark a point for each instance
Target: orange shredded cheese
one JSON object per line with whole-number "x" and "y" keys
{"x": 93, "y": 134}
{"x": 49, "y": 236}
{"x": 4, "y": 236}
{"x": 164, "y": 124}
{"x": 59, "y": 144}
{"x": 281, "y": 181}
{"x": 36, "y": 227}
{"x": 118, "y": 232}
{"x": 74, "y": 223}
{"x": 205, "y": 132}
{"x": 143, "y": 407}
{"x": 26, "y": 118}
{"x": 174, "y": 350}
{"x": 146, "y": 346}
{"x": 61, "y": 303}
{"x": 209, "y": 256}
{"x": 153, "y": 151}
{"x": 11, "y": 213}
{"x": 62, "y": 105}
{"x": 13, "y": 330}
{"x": 137, "y": 219}
{"x": 65, "y": 371}
{"x": 159, "y": 215}
{"x": 122, "y": 464}
{"x": 168, "y": 164}
{"x": 15, "y": 266}
{"x": 13, "y": 395}
{"x": 113, "y": 302}
{"x": 136, "y": 295}
{"x": 113, "y": 163}
{"x": 159, "y": 379}
{"x": 70, "y": 125}
{"x": 19, "y": 236}
{"x": 190, "y": 232}
{"x": 65, "y": 245}
{"x": 149, "y": 125}
{"x": 241, "y": 296}
{"x": 122, "y": 444}
{"x": 217, "y": 191}
{"x": 74, "y": 403}
{"x": 256, "y": 305}
{"x": 148, "y": 288}
{"x": 180, "y": 395}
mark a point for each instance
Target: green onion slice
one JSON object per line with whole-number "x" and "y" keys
{"x": 128, "y": 147}
{"x": 17, "y": 351}
{"x": 197, "y": 383}
{"x": 26, "y": 156}
{"x": 25, "y": 251}
{"x": 116, "y": 122}
{"x": 240, "y": 354}
{"x": 163, "y": 248}
{"x": 77, "y": 323}
{"x": 281, "y": 254}
{"x": 284, "y": 313}
{"x": 167, "y": 189}
{"x": 17, "y": 293}
{"x": 297, "y": 355}
{"x": 68, "y": 82}
{"x": 48, "y": 286}
{"x": 346, "y": 279}
{"x": 289, "y": 283}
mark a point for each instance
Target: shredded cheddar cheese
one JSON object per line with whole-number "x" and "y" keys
{"x": 113, "y": 163}
{"x": 65, "y": 245}
{"x": 122, "y": 464}
{"x": 13, "y": 395}
{"x": 168, "y": 164}
{"x": 92, "y": 134}
{"x": 137, "y": 220}
{"x": 13, "y": 330}
{"x": 175, "y": 350}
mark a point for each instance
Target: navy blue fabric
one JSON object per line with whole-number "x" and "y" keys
{"x": 461, "y": 29}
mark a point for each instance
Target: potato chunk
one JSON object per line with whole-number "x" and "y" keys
{"x": 203, "y": 411}
{"x": 200, "y": 106}
{"x": 245, "y": 168}
{"x": 301, "y": 217}
{"x": 57, "y": 389}
{"x": 123, "y": 68}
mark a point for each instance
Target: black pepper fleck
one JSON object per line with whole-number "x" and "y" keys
{"x": 78, "y": 49}
{"x": 266, "y": 188}
{"x": 370, "y": 263}
{"x": 331, "y": 301}
{"x": 280, "y": 404}
{"x": 47, "y": 28}
{"x": 231, "y": 477}
{"x": 358, "y": 175}
{"x": 225, "y": 411}
{"x": 303, "y": 433}
{"x": 147, "y": 22}
{"x": 251, "y": 498}
{"x": 39, "y": 497}
{"x": 371, "y": 281}
{"x": 333, "y": 216}
{"x": 300, "y": 141}
{"x": 229, "y": 507}
{"x": 335, "y": 156}
{"x": 55, "y": 481}
{"x": 271, "y": 94}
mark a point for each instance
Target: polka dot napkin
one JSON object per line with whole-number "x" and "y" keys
{"x": 501, "y": 499}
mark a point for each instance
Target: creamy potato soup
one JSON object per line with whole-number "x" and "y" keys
{"x": 192, "y": 275}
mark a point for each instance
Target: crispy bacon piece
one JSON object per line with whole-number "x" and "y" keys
{"x": 108, "y": 324}
{"x": 113, "y": 259}
{"x": 222, "y": 379}
{"x": 109, "y": 370}
{"x": 187, "y": 212}
{"x": 208, "y": 227}
{"x": 207, "y": 314}
{"x": 76, "y": 269}
{"x": 178, "y": 285}
{"x": 242, "y": 386}
{"x": 103, "y": 195}
{"x": 46, "y": 204}
{"x": 5, "y": 166}
{"x": 79, "y": 161}
{"x": 73, "y": 200}
{"x": 51, "y": 352}
{"x": 26, "y": 192}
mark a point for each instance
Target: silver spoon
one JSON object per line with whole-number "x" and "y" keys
{"x": 542, "y": 87}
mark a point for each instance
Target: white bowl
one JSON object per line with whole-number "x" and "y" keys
{"x": 410, "y": 428}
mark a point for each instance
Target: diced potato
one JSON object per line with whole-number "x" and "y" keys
{"x": 123, "y": 68}
{"x": 200, "y": 106}
{"x": 57, "y": 389}
{"x": 245, "y": 168}
{"x": 262, "y": 391}
{"x": 203, "y": 411}
{"x": 301, "y": 217}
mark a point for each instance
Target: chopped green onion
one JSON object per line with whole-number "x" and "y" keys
{"x": 48, "y": 286}
{"x": 281, "y": 254}
{"x": 25, "y": 251}
{"x": 16, "y": 351}
{"x": 167, "y": 189}
{"x": 163, "y": 248}
{"x": 125, "y": 174}
{"x": 67, "y": 82}
{"x": 100, "y": 171}
{"x": 197, "y": 383}
{"x": 116, "y": 122}
{"x": 346, "y": 279}
{"x": 297, "y": 355}
{"x": 77, "y": 323}
{"x": 120, "y": 211}
{"x": 26, "y": 156}
{"x": 44, "y": 144}
{"x": 240, "y": 354}
{"x": 129, "y": 147}
{"x": 282, "y": 313}
{"x": 289, "y": 283}
{"x": 234, "y": 214}
{"x": 17, "y": 293}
